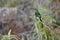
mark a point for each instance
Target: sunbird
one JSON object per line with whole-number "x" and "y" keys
{"x": 37, "y": 14}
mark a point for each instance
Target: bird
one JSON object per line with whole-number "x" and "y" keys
{"x": 37, "y": 14}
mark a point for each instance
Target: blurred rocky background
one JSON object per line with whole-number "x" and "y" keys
{"x": 18, "y": 16}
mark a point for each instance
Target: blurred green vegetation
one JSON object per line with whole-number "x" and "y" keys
{"x": 46, "y": 33}
{"x": 8, "y": 37}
